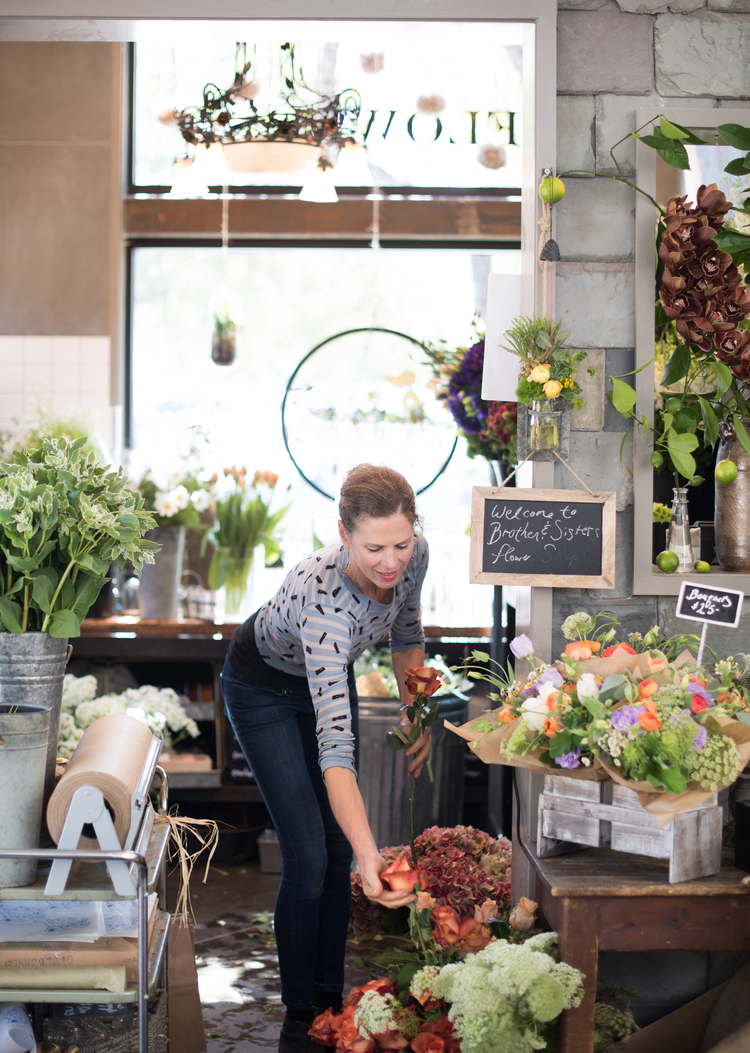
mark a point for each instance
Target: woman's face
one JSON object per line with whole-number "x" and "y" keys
{"x": 379, "y": 549}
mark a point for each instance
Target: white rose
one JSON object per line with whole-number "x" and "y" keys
{"x": 587, "y": 686}
{"x": 535, "y": 713}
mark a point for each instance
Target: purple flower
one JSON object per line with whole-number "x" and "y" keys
{"x": 624, "y": 719}
{"x": 551, "y": 676}
{"x": 470, "y": 373}
{"x": 569, "y": 760}
{"x": 471, "y": 425}
{"x": 521, "y": 646}
{"x": 699, "y": 739}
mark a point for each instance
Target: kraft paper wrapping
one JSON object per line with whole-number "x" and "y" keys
{"x": 65, "y": 977}
{"x": 489, "y": 747}
{"x": 110, "y": 756}
{"x": 665, "y": 806}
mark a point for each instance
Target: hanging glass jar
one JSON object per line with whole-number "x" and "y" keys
{"x": 679, "y": 531}
{"x": 544, "y": 426}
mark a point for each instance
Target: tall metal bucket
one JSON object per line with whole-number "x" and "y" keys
{"x": 384, "y": 784}
{"x": 32, "y": 669}
{"x": 24, "y": 735}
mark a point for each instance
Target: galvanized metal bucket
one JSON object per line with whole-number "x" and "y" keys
{"x": 160, "y": 580}
{"x": 32, "y": 670}
{"x": 24, "y": 736}
{"x": 385, "y": 785}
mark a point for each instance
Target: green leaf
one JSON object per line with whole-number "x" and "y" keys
{"x": 742, "y": 435}
{"x": 723, "y": 376}
{"x": 673, "y": 780}
{"x": 610, "y": 687}
{"x": 671, "y": 151}
{"x": 677, "y": 366}
{"x": 87, "y": 590}
{"x": 682, "y": 442}
{"x": 41, "y": 593}
{"x": 393, "y": 741}
{"x": 744, "y": 718}
{"x": 10, "y": 615}
{"x": 738, "y": 166}
{"x": 64, "y": 623}
{"x": 670, "y": 130}
{"x": 406, "y": 974}
{"x": 683, "y": 462}
{"x": 595, "y": 708}
{"x": 732, "y": 241}
{"x": 622, "y": 397}
{"x": 736, "y": 135}
{"x": 710, "y": 421}
{"x": 413, "y": 735}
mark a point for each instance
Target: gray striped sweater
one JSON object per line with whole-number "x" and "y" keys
{"x": 318, "y": 623}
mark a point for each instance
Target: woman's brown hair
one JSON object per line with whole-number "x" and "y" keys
{"x": 370, "y": 491}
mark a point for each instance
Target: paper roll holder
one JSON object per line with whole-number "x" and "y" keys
{"x": 89, "y": 807}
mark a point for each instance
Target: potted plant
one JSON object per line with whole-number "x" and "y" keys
{"x": 63, "y": 520}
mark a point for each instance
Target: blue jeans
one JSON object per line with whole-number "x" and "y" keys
{"x": 276, "y": 730}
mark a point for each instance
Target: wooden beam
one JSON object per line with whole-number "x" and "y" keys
{"x": 442, "y": 219}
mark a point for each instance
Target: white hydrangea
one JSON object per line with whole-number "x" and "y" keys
{"x": 500, "y": 994}
{"x": 373, "y": 1015}
{"x": 70, "y": 736}
{"x": 158, "y": 708}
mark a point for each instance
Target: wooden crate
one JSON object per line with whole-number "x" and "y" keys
{"x": 575, "y": 814}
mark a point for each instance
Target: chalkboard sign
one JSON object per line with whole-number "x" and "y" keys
{"x": 705, "y": 603}
{"x": 554, "y": 538}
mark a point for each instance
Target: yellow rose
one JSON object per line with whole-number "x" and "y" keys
{"x": 539, "y": 374}
{"x": 552, "y": 389}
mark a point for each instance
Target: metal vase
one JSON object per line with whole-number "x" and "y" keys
{"x": 732, "y": 503}
{"x": 160, "y": 580}
{"x": 24, "y": 738}
{"x": 385, "y": 785}
{"x": 32, "y": 670}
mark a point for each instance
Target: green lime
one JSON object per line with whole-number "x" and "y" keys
{"x": 725, "y": 472}
{"x": 673, "y": 405}
{"x": 667, "y": 562}
{"x": 656, "y": 460}
{"x": 697, "y": 480}
{"x": 702, "y": 567}
{"x": 551, "y": 190}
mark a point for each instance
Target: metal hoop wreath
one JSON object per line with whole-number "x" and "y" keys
{"x": 300, "y": 364}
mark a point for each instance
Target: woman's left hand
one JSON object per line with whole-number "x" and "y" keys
{"x": 372, "y": 886}
{"x": 418, "y": 749}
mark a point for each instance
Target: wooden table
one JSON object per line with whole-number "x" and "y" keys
{"x": 600, "y": 900}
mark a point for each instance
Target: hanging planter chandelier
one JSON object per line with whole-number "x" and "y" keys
{"x": 303, "y": 116}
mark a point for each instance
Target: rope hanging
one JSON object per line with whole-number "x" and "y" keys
{"x": 545, "y": 229}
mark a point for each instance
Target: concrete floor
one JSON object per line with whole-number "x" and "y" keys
{"x": 238, "y": 973}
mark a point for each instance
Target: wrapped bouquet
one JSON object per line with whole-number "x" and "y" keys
{"x": 637, "y": 711}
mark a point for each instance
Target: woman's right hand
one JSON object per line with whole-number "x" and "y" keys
{"x": 369, "y": 872}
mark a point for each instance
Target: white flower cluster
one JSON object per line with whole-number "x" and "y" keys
{"x": 158, "y": 708}
{"x": 373, "y": 1015}
{"x": 499, "y": 995}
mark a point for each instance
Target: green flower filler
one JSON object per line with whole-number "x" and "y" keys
{"x": 63, "y": 520}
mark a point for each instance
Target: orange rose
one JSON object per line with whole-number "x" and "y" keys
{"x": 472, "y": 937}
{"x": 613, "y": 647}
{"x": 646, "y": 688}
{"x": 505, "y": 715}
{"x": 580, "y": 650}
{"x": 424, "y": 1042}
{"x": 321, "y": 1029}
{"x": 649, "y": 722}
{"x": 552, "y": 725}
{"x": 445, "y": 926}
{"x": 657, "y": 665}
{"x": 649, "y": 705}
{"x": 382, "y": 985}
{"x": 698, "y": 704}
{"x": 422, "y": 681}
{"x": 443, "y": 1029}
{"x": 486, "y": 911}
{"x": 392, "y": 1040}
{"x": 401, "y": 876}
{"x": 425, "y": 901}
{"x": 523, "y": 915}
{"x": 349, "y": 1038}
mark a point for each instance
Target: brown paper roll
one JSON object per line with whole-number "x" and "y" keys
{"x": 110, "y": 756}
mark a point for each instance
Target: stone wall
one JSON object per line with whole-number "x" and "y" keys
{"x": 615, "y": 56}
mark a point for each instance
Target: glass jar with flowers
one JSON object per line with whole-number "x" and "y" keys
{"x": 546, "y": 378}
{"x": 243, "y": 521}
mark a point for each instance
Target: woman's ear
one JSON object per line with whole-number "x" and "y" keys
{"x": 343, "y": 534}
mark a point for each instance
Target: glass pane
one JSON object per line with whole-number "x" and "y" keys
{"x": 405, "y": 147}
{"x": 284, "y": 302}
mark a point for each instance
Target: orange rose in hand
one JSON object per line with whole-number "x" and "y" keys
{"x": 422, "y": 681}
{"x": 401, "y": 876}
